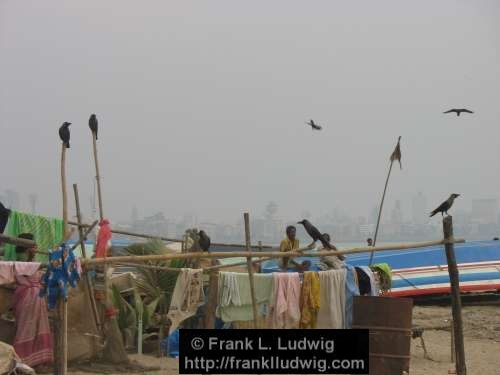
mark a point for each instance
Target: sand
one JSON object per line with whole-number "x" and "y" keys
{"x": 482, "y": 344}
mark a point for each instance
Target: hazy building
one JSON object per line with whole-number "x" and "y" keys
{"x": 484, "y": 211}
{"x": 419, "y": 212}
{"x": 397, "y": 213}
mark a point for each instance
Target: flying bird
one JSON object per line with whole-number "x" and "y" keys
{"x": 93, "y": 125}
{"x": 64, "y": 133}
{"x": 4, "y": 217}
{"x": 204, "y": 240}
{"x": 316, "y": 234}
{"x": 313, "y": 125}
{"x": 458, "y": 111}
{"x": 445, "y": 206}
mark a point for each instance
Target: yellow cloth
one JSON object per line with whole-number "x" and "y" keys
{"x": 287, "y": 245}
{"x": 309, "y": 300}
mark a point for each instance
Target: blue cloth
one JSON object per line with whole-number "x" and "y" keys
{"x": 170, "y": 344}
{"x": 351, "y": 290}
{"x": 58, "y": 275}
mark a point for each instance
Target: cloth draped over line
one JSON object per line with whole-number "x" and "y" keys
{"x": 309, "y": 300}
{"x": 33, "y": 340}
{"x": 48, "y": 232}
{"x": 235, "y": 298}
{"x": 9, "y": 270}
{"x": 188, "y": 295}
{"x": 64, "y": 268}
{"x": 331, "y": 313}
{"x": 367, "y": 284}
{"x": 103, "y": 237}
{"x": 351, "y": 290}
{"x": 284, "y": 306}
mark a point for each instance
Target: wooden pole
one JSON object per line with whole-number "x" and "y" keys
{"x": 246, "y": 217}
{"x": 456, "y": 302}
{"x": 97, "y": 177}
{"x": 263, "y": 254}
{"x": 90, "y": 289}
{"x": 380, "y": 210}
{"x": 63, "y": 304}
{"x": 168, "y": 239}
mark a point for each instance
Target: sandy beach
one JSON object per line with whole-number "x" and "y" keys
{"x": 482, "y": 344}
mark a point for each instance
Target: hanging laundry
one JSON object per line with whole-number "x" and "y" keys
{"x": 385, "y": 276}
{"x": 47, "y": 232}
{"x": 331, "y": 313}
{"x": 187, "y": 296}
{"x": 62, "y": 270}
{"x": 235, "y": 298}
{"x": 284, "y": 306}
{"x": 367, "y": 284}
{"x": 351, "y": 290}
{"x": 103, "y": 237}
{"x": 7, "y": 273}
{"x": 309, "y": 300}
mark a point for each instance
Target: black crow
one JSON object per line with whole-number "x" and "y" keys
{"x": 93, "y": 125}
{"x": 313, "y": 125}
{"x": 64, "y": 133}
{"x": 458, "y": 111}
{"x": 316, "y": 234}
{"x": 4, "y": 217}
{"x": 204, "y": 240}
{"x": 445, "y": 206}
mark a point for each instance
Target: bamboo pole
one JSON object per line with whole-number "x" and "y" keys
{"x": 264, "y": 254}
{"x": 63, "y": 304}
{"x": 16, "y": 241}
{"x": 382, "y": 203}
{"x": 90, "y": 289}
{"x": 246, "y": 217}
{"x": 97, "y": 177}
{"x": 168, "y": 239}
{"x": 456, "y": 302}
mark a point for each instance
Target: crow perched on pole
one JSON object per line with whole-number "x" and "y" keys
{"x": 445, "y": 206}
{"x": 458, "y": 111}
{"x": 93, "y": 124}
{"x": 64, "y": 133}
{"x": 204, "y": 240}
{"x": 313, "y": 125}
{"x": 316, "y": 234}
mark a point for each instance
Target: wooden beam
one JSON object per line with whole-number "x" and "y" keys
{"x": 246, "y": 217}
{"x": 264, "y": 254}
{"x": 456, "y": 303}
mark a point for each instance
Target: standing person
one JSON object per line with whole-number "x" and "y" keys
{"x": 291, "y": 243}
{"x": 33, "y": 341}
{"x": 369, "y": 242}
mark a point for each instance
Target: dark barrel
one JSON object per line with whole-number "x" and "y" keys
{"x": 389, "y": 322}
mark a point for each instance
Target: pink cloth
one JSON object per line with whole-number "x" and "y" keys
{"x": 33, "y": 341}
{"x": 284, "y": 308}
{"x": 102, "y": 239}
{"x": 7, "y": 273}
{"x": 26, "y": 268}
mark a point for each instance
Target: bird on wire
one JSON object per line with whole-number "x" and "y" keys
{"x": 64, "y": 133}
{"x": 315, "y": 234}
{"x": 458, "y": 111}
{"x": 93, "y": 125}
{"x": 313, "y": 125}
{"x": 204, "y": 240}
{"x": 445, "y": 206}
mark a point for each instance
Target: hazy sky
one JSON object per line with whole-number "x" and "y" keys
{"x": 201, "y": 104}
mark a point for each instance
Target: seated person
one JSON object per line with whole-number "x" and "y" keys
{"x": 291, "y": 243}
{"x": 330, "y": 261}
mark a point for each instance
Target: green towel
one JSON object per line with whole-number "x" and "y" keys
{"x": 48, "y": 233}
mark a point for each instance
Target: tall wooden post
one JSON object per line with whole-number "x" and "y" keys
{"x": 90, "y": 289}
{"x": 246, "y": 217}
{"x": 456, "y": 302}
{"x": 62, "y": 305}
